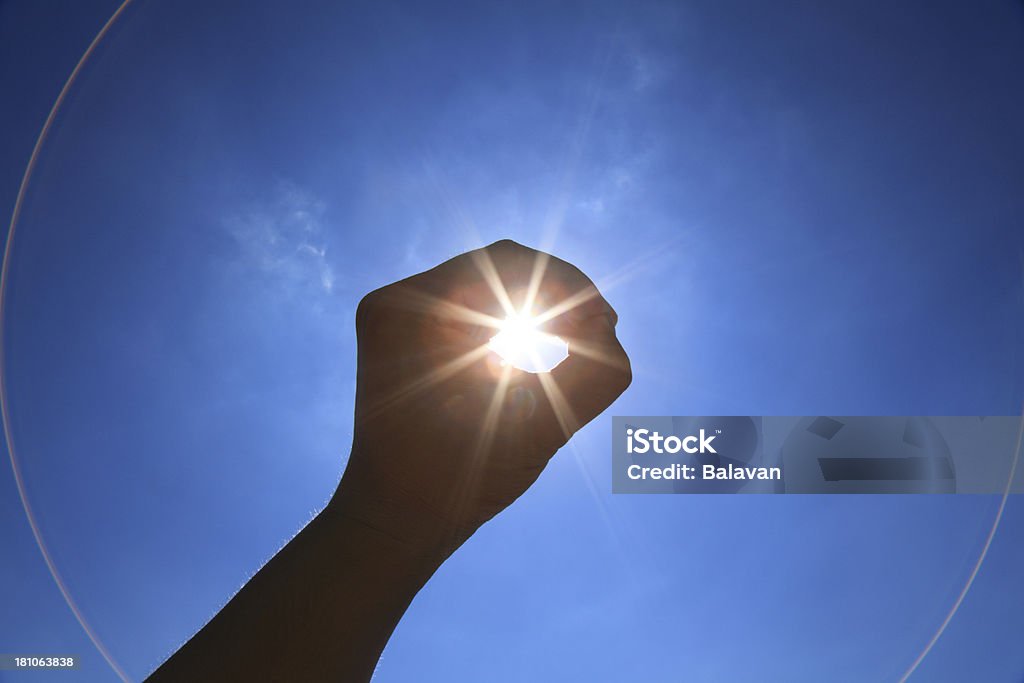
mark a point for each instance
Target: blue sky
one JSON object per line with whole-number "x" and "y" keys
{"x": 796, "y": 210}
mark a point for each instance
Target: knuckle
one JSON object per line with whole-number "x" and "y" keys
{"x": 509, "y": 250}
{"x": 625, "y": 376}
{"x": 613, "y": 317}
{"x": 368, "y": 308}
{"x": 506, "y": 244}
{"x": 624, "y": 372}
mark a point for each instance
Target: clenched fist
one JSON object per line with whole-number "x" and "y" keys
{"x": 445, "y": 435}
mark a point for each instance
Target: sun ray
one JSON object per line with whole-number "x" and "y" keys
{"x": 567, "y": 423}
{"x": 486, "y": 267}
{"x": 658, "y": 256}
{"x": 565, "y": 305}
{"x": 445, "y": 309}
{"x": 540, "y": 265}
{"x": 457, "y": 215}
{"x": 487, "y": 429}
{"x": 566, "y": 183}
{"x": 618, "y": 277}
{"x": 563, "y": 412}
{"x": 587, "y": 350}
{"x": 427, "y": 381}
{"x": 625, "y": 545}
{"x": 484, "y": 440}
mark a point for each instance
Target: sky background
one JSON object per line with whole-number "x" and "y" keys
{"x": 795, "y": 210}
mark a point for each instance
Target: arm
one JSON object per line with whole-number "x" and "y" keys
{"x": 445, "y": 438}
{"x": 321, "y": 610}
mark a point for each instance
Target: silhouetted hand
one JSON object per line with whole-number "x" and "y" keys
{"x": 446, "y": 436}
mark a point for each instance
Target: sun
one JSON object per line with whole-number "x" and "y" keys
{"x": 522, "y": 345}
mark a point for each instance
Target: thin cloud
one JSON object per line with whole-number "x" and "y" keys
{"x": 284, "y": 240}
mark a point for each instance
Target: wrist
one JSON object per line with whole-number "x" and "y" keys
{"x": 391, "y": 520}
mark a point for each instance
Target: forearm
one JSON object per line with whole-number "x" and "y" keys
{"x": 321, "y": 610}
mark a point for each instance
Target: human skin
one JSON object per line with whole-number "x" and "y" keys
{"x": 445, "y": 438}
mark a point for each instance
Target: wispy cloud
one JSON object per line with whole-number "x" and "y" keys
{"x": 284, "y": 238}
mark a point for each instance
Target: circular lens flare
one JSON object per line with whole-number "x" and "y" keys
{"x": 520, "y": 344}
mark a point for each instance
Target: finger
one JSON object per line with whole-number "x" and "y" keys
{"x": 474, "y": 292}
{"x": 512, "y": 279}
{"x": 486, "y": 286}
{"x": 595, "y": 373}
{"x": 504, "y": 254}
{"x": 565, "y": 291}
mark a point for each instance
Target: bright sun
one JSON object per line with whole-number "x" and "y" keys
{"x": 521, "y": 345}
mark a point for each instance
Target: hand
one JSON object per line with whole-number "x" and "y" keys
{"x": 445, "y": 436}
